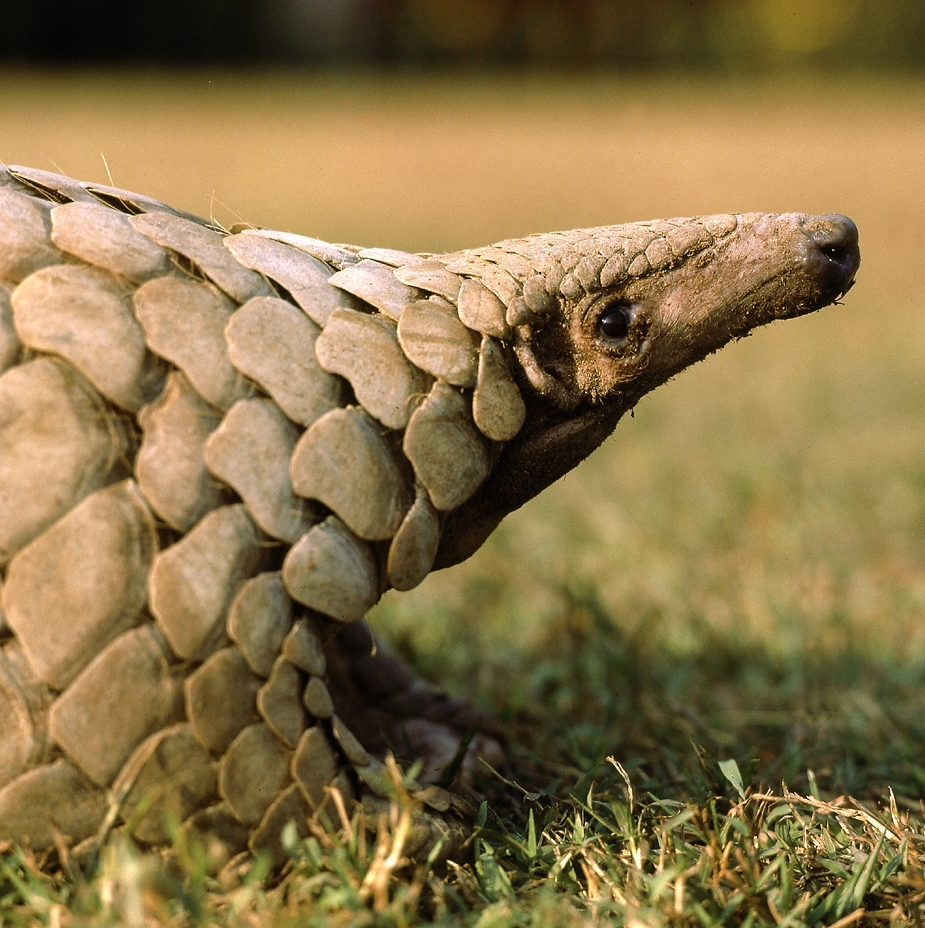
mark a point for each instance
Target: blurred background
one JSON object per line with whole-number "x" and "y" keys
{"x": 576, "y": 34}
{"x": 762, "y": 517}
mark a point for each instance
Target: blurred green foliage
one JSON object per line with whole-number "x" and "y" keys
{"x": 628, "y": 35}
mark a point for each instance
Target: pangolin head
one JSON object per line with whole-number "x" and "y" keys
{"x": 609, "y": 313}
{"x": 602, "y": 316}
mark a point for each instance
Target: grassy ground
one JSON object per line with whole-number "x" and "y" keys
{"x": 708, "y": 643}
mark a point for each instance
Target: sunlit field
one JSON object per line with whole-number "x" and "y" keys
{"x": 738, "y": 574}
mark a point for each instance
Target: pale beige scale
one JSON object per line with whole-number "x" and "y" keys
{"x": 218, "y": 451}
{"x": 272, "y": 390}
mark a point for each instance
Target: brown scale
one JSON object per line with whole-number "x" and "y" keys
{"x": 217, "y": 451}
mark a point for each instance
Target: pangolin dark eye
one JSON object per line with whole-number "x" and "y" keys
{"x": 614, "y": 324}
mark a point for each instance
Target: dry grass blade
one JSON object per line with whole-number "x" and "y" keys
{"x": 738, "y": 576}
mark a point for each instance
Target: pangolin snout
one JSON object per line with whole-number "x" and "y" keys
{"x": 831, "y": 253}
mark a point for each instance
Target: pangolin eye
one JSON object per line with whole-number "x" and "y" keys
{"x": 614, "y": 324}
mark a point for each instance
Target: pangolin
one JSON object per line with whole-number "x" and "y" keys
{"x": 219, "y": 448}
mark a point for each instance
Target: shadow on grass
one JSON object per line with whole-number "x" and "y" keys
{"x": 612, "y": 805}
{"x": 840, "y": 720}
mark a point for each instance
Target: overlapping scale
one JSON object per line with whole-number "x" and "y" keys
{"x": 23, "y": 724}
{"x": 433, "y": 338}
{"x": 374, "y": 500}
{"x": 221, "y": 698}
{"x": 192, "y": 583}
{"x": 339, "y": 256}
{"x": 365, "y": 350}
{"x": 273, "y": 342}
{"x": 333, "y": 571}
{"x": 170, "y": 467}
{"x": 349, "y": 743}
{"x": 314, "y": 764}
{"x": 53, "y": 187}
{"x": 376, "y": 284}
{"x": 391, "y": 256}
{"x": 107, "y": 240}
{"x": 81, "y": 582}
{"x": 125, "y": 201}
{"x": 250, "y": 451}
{"x": 125, "y": 694}
{"x": 51, "y": 801}
{"x": 301, "y": 275}
{"x": 220, "y": 829}
{"x": 303, "y": 648}
{"x": 10, "y": 345}
{"x": 205, "y": 249}
{"x": 414, "y": 546}
{"x": 253, "y": 771}
{"x": 288, "y": 808}
{"x": 274, "y": 418}
{"x": 169, "y": 777}
{"x": 481, "y": 310}
{"x": 431, "y": 276}
{"x": 259, "y": 620}
{"x": 60, "y": 443}
{"x": 184, "y": 322}
{"x": 25, "y": 236}
{"x": 449, "y": 455}
{"x": 279, "y": 702}
{"x": 497, "y": 405}
{"x": 317, "y": 699}
{"x": 83, "y": 314}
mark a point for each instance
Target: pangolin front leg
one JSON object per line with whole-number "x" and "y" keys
{"x": 217, "y": 451}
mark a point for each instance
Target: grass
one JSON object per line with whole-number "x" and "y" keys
{"x": 707, "y": 644}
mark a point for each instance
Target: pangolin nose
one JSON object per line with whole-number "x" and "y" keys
{"x": 833, "y": 251}
{"x": 837, "y": 239}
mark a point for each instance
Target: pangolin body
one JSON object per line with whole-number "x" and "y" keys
{"x": 218, "y": 450}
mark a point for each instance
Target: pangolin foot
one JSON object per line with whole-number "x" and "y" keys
{"x": 392, "y": 710}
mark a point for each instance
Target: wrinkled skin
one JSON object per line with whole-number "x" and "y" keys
{"x": 770, "y": 267}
